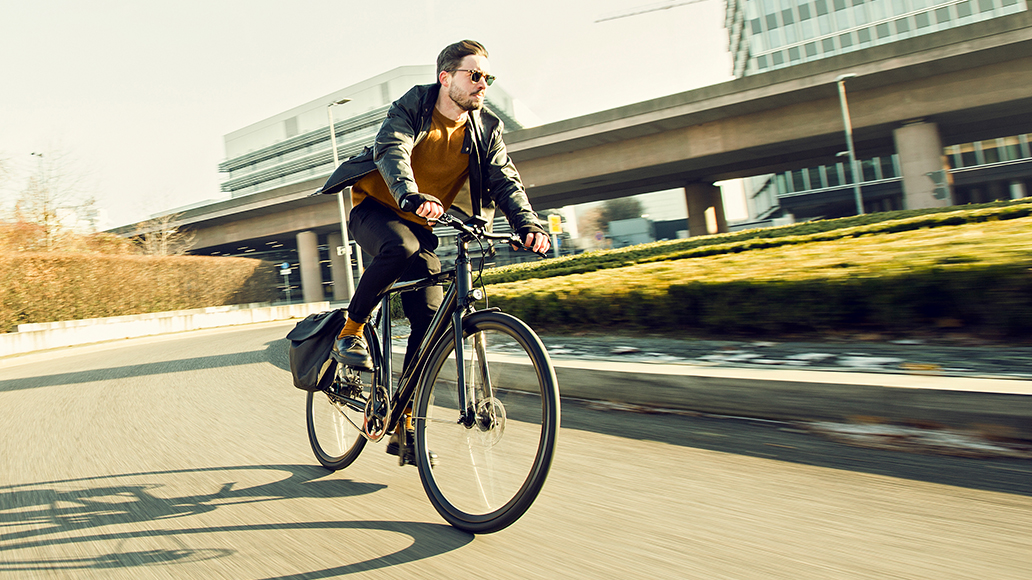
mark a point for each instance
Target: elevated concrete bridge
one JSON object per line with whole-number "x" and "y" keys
{"x": 910, "y": 97}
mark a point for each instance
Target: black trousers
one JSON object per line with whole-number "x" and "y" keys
{"x": 401, "y": 250}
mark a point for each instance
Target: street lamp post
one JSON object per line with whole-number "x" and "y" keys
{"x": 841, "y": 80}
{"x": 349, "y": 277}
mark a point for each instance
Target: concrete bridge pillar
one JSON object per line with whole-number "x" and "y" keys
{"x": 705, "y": 209}
{"x": 337, "y": 265}
{"x": 311, "y": 273}
{"x": 925, "y": 178}
{"x": 1017, "y": 189}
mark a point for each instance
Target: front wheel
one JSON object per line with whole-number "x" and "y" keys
{"x": 490, "y": 459}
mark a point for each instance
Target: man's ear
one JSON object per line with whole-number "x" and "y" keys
{"x": 444, "y": 77}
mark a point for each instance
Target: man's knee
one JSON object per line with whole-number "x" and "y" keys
{"x": 399, "y": 251}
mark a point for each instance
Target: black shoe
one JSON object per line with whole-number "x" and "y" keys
{"x": 351, "y": 351}
{"x": 410, "y": 449}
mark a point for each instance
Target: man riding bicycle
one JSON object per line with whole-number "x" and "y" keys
{"x": 438, "y": 148}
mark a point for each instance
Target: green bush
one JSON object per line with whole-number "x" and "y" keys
{"x": 820, "y": 230}
{"x": 976, "y": 276}
{"x": 994, "y": 300}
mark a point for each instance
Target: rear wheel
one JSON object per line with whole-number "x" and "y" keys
{"x": 336, "y": 412}
{"x": 492, "y": 459}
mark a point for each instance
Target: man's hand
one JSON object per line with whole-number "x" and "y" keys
{"x": 538, "y": 242}
{"x": 431, "y": 210}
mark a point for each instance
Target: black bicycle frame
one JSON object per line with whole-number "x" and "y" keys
{"x": 458, "y": 302}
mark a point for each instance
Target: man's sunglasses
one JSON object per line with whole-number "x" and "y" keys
{"x": 475, "y": 75}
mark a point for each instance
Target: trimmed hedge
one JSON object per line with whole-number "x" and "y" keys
{"x": 977, "y": 276}
{"x": 46, "y": 287}
{"x": 821, "y": 230}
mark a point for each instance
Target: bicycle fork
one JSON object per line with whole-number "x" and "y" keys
{"x": 474, "y": 411}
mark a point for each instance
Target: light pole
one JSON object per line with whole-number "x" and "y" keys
{"x": 841, "y": 80}
{"x": 349, "y": 277}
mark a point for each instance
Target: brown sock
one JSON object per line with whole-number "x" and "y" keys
{"x": 351, "y": 328}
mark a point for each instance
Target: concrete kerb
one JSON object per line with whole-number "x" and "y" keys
{"x": 48, "y": 335}
{"x": 999, "y": 407}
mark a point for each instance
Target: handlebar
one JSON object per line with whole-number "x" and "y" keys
{"x": 479, "y": 230}
{"x": 476, "y": 228}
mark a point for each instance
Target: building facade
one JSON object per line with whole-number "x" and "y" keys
{"x": 771, "y": 34}
{"x": 766, "y": 35}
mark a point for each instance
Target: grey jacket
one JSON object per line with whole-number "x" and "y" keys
{"x": 493, "y": 179}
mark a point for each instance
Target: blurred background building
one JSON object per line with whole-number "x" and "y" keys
{"x": 766, "y": 35}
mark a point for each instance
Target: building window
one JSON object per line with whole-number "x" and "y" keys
{"x": 942, "y": 15}
{"x": 846, "y": 40}
{"x": 839, "y": 4}
{"x": 990, "y": 153}
{"x": 1010, "y": 148}
{"x": 829, "y": 45}
{"x": 882, "y": 30}
{"x": 847, "y": 172}
{"x": 968, "y": 156}
{"x": 778, "y": 58}
{"x": 985, "y": 5}
{"x": 867, "y": 167}
{"x": 922, "y": 20}
{"x": 810, "y": 49}
{"x": 755, "y": 23}
{"x": 964, "y": 9}
{"x": 863, "y": 35}
{"x": 786, "y": 17}
{"x": 761, "y": 61}
{"x": 815, "y": 181}
{"x": 888, "y": 170}
{"x": 804, "y": 11}
{"x": 822, "y": 7}
{"x": 798, "y": 183}
{"x": 793, "y": 54}
{"x": 772, "y": 21}
{"x": 902, "y": 26}
{"x": 834, "y": 173}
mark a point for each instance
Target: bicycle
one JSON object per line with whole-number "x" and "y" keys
{"x": 485, "y": 430}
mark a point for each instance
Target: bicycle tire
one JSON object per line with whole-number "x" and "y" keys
{"x": 335, "y": 441}
{"x": 486, "y": 476}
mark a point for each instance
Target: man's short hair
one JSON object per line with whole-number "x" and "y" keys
{"x": 452, "y": 55}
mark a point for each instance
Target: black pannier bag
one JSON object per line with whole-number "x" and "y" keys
{"x": 311, "y": 342}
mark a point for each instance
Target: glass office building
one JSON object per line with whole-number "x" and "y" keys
{"x": 766, "y": 35}
{"x": 771, "y": 34}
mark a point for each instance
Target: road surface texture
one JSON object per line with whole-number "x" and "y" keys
{"x": 186, "y": 456}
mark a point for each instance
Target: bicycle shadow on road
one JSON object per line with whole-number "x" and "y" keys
{"x": 275, "y": 353}
{"x": 44, "y": 516}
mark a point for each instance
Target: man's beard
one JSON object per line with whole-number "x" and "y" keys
{"x": 465, "y": 101}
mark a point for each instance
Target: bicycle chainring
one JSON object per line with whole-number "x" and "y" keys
{"x": 377, "y": 413}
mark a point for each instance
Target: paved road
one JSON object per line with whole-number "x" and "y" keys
{"x": 186, "y": 456}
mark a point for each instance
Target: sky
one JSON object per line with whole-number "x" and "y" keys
{"x": 136, "y": 96}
